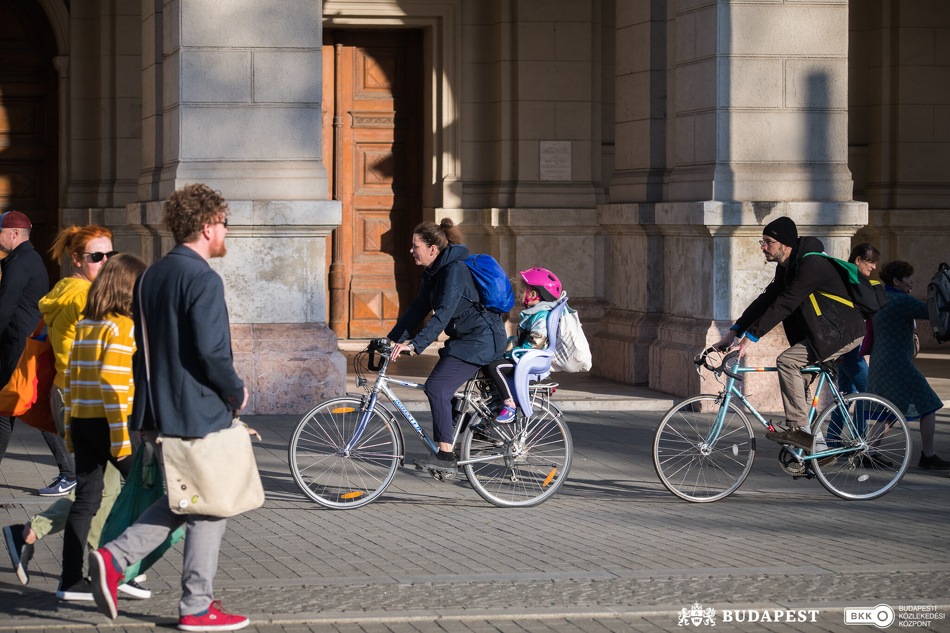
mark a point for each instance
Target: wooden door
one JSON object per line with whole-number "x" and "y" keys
{"x": 28, "y": 121}
{"x": 373, "y": 152}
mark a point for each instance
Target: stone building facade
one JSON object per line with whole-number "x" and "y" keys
{"x": 635, "y": 147}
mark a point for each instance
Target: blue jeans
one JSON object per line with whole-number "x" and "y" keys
{"x": 852, "y": 372}
{"x": 852, "y": 378}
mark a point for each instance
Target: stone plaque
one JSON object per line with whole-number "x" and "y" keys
{"x": 555, "y": 160}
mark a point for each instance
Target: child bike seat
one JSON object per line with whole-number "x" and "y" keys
{"x": 535, "y": 364}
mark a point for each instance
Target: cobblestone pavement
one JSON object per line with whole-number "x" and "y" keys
{"x": 612, "y": 551}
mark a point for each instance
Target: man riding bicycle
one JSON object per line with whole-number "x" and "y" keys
{"x": 808, "y": 297}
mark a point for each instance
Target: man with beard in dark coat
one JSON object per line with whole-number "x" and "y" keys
{"x": 809, "y": 297}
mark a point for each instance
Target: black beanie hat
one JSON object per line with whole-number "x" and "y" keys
{"x": 783, "y": 229}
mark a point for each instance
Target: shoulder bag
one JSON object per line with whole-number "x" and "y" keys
{"x": 26, "y": 395}
{"x": 215, "y": 475}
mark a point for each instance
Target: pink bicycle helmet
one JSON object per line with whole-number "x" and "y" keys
{"x": 546, "y": 282}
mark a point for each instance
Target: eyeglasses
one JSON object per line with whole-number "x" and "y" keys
{"x": 766, "y": 243}
{"x": 223, "y": 222}
{"x": 98, "y": 256}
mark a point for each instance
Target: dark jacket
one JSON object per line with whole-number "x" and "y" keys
{"x": 23, "y": 283}
{"x": 192, "y": 389}
{"x": 805, "y": 297}
{"x": 475, "y": 335}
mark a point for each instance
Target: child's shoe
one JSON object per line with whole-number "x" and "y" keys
{"x": 506, "y": 415}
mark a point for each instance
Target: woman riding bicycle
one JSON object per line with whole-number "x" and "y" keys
{"x": 476, "y": 336}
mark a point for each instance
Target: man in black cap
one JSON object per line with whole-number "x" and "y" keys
{"x": 818, "y": 327}
{"x": 22, "y": 282}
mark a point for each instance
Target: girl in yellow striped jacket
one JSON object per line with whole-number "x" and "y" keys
{"x": 98, "y": 399}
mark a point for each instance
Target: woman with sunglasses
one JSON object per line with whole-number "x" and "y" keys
{"x": 87, "y": 249}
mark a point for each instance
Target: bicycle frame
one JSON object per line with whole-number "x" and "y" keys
{"x": 731, "y": 390}
{"x": 382, "y": 384}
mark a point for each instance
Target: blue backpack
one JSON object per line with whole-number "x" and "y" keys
{"x": 494, "y": 288}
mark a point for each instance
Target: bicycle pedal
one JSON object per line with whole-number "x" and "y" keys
{"x": 442, "y": 475}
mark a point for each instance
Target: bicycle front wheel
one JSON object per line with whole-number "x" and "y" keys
{"x": 333, "y": 473}
{"x": 693, "y": 464}
{"x": 874, "y": 424}
{"x": 520, "y": 464}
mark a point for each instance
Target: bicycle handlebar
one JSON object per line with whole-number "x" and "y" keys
{"x": 702, "y": 360}
{"x": 384, "y": 348}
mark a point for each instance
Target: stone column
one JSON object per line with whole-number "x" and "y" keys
{"x": 233, "y": 99}
{"x": 535, "y": 73}
{"x": 900, "y": 136}
{"x": 755, "y": 128}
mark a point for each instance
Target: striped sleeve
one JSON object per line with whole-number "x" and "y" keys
{"x": 115, "y": 378}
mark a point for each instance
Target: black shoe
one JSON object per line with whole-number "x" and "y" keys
{"x": 133, "y": 589}
{"x": 932, "y": 463}
{"x": 875, "y": 461}
{"x": 793, "y": 437}
{"x": 442, "y": 462}
{"x": 19, "y": 550}
{"x": 79, "y": 592}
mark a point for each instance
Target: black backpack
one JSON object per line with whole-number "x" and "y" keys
{"x": 938, "y": 303}
{"x": 866, "y": 295}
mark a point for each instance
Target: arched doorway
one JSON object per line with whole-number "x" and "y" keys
{"x": 29, "y": 121}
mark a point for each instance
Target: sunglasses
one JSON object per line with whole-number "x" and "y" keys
{"x": 97, "y": 257}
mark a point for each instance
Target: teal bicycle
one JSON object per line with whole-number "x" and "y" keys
{"x": 704, "y": 447}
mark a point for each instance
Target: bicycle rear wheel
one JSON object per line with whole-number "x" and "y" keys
{"x": 520, "y": 464}
{"x": 692, "y": 468}
{"x": 337, "y": 477}
{"x": 871, "y": 472}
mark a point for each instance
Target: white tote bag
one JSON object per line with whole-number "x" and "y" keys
{"x": 572, "y": 352}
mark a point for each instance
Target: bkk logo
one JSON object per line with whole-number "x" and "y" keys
{"x": 906, "y": 616}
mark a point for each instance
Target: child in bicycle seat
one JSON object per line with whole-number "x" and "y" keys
{"x": 542, "y": 290}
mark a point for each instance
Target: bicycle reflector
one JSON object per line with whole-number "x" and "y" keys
{"x": 352, "y": 495}
{"x": 343, "y": 410}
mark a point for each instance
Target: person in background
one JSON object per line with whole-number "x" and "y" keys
{"x": 98, "y": 396}
{"x": 892, "y": 374}
{"x": 23, "y": 282}
{"x": 852, "y": 368}
{"x": 87, "y": 249}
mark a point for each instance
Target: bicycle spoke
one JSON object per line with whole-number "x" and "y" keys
{"x": 880, "y": 441}
{"x": 694, "y": 464}
{"x": 531, "y": 459}
{"x": 332, "y": 474}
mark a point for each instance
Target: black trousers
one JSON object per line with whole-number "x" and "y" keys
{"x": 497, "y": 371}
{"x": 55, "y": 443}
{"x": 92, "y": 448}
